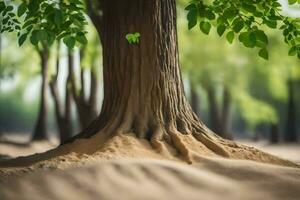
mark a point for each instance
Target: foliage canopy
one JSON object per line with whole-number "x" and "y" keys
{"x": 245, "y": 19}
{"x": 43, "y": 21}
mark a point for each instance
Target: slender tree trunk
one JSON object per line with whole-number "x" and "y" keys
{"x": 40, "y": 130}
{"x": 274, "y": 133}
{"x": 195, "y": 100}
{"x": 63, "y": 116}
{"x": 226, "y": 113}
{"x": 214, "y": 111}
{"x": 86, "y": 105}
{"x": 291, "y": 132}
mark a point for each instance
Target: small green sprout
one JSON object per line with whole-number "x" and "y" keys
{"x": 133, "y": 38}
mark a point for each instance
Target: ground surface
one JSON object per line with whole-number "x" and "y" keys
{"x": 109, "y": 174}
{"x": 213, "y": 179}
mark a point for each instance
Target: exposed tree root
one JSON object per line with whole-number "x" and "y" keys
{"x": 165, "y": 142}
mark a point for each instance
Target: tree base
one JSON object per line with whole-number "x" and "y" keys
{"x": 187, "y": 148}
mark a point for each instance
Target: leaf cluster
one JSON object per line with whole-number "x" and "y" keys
{"x": 245, "y": 20}
{"x": 44, "y": 21}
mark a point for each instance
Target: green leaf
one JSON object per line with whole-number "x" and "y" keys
{"x": 39, "y": 35}
{"x": 205, "y": 27}
{"x": 230, "y": 37}
{"x": 209, "y": 15}
{"x": 133, "y": 38}
{"x": 9, "y": 8}
{"x": 22, "y": 9}
{"x": 230, "y": 13}
{"x": 293, "y": 51}
{"x": 192, "y": 18}
{"x": 248, "y": 39}
{"x": 221, "y": 29}
{"x": 70, "y": 42}
{"x": 58, "y": 17}
{"x": 249, "y": 7}
{"x": 264, "y": 53}
{"x": 34, "y": 39}
{"x": 291, "y": 2}
{"x": 22, "y": 39}
{"x": 238, "y": 25}
{"x": 271, "y": 23}
{"x": 190, "y": 7}
{"x": 81, "y": 39}
{"x": 261, "y": 37}
{"x": 192, "y": 24}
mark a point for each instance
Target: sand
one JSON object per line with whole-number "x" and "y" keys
{"x": 126, "y": 167}
{"x": 211, "y": 179}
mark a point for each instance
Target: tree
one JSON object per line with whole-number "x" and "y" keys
{"x": 86, "y": 101}
{"x": 143, "y": 90}
{"x": 62, "y": 113}
{"x": 291, "y": 132}
{"x": 40, "y": 130}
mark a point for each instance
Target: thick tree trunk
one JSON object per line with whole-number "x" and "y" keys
{"x": 291, "y": 132}
{"x": 40, "y": 130}
{"x": 143, "y": 90}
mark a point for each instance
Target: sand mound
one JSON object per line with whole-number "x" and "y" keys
{"x": 213, "y": 179}
{"x": 122, "y": 146}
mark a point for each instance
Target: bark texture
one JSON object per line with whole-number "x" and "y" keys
{"x": 40, "y": 130}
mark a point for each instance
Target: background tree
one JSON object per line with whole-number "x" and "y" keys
{"x": 40, "y": 130}
{"x": 62, "y": 113}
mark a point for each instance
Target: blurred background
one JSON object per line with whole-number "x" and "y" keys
{"x": 51, "y": 94}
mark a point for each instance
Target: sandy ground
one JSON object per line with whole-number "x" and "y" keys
{"x": 143, "y": 178}
{"x": 213, "y": 179}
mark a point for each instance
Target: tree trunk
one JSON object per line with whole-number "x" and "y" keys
{"x": 291, "y": 132}
{"x": 226, "y": 114}
{"x": 214, "y": 111}
{"x": 63, "y": 116}
{"x": 143, "y": 89}
{"x": 195, "y": 100}
{"x": 40, "y": 130}
{"x": 274, "y": 133}
{"x": 86, "y": 107}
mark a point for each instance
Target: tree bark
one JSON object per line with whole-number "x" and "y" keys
{"x": 40, "y": 130}
{"x": 291, "y": 132}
